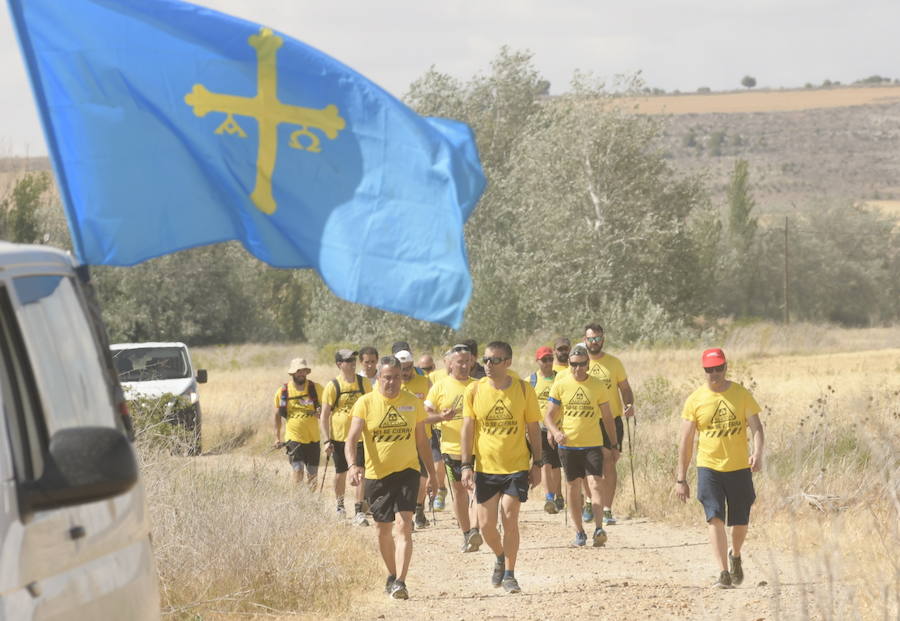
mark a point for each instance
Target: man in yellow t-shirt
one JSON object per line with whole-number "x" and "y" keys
{"x": 561, "y": 348}
{"x": 391, "y": 424}
{"x": 609, "y": 369}
{"x": 444, "y": 404}
{"x": 577, "y": 406}
{"x": 297, "y": 402}
{"x": 541, "y": 380}
{"x": 721, "y": 412}
{"x": 499, "y": 412}
{"x": 337, "y": 403}
{"x": 419, "y": 386}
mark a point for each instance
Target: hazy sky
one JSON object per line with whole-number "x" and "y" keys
{"x": 677, "y": 44}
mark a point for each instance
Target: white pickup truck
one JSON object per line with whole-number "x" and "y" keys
{"x": 153, "y": 370}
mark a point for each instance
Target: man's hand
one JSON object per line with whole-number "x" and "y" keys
{"x": 682, "y": 491}
{"x": 756, "y": 463}
{"x": 431, "y": 485}
{"x": 329, "y": 448}
{"x": 628, "y": 412}
{"x": 356, "y": 475}
{"x": 616, "y": 454}
{"x": 534, "y": 476}
{"x": 277, "y": 444}
{"x": 559, "y": 437}
{"x": 448, "y": 413}
{"x": 468, "y": 479}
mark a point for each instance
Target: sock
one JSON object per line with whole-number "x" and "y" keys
{"x": 501, "y": 559}
{"x": 419, "y": 506}
{"x": 508, "y": 574}
{"x": 358, "y": 507}
{"x": 549, "y": 496}
{"x": 340, "y": 503}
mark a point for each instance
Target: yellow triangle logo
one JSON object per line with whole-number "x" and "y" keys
{"x": 724, "y": 414}
{"x": 579, "y": 398}
{"x": 392, "y": 420}
{"x": 499, "y": 412}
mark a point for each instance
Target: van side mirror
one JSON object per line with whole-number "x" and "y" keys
{"x": 201, "y": 376}
{"x": 83, "y": 464}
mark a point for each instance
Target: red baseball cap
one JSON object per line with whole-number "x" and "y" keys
{"x": 713, "y": 358}
{"x": 542, "y": 351}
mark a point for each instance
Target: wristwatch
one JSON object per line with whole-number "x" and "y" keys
{"x": 537, "y": 462}
{"x": 682, "y": 482}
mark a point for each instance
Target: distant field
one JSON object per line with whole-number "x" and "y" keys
{"x": 889, "y": 208}
{"x": 765, "y": 101}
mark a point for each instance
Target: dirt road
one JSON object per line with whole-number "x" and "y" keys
{"x": 646, "y": 571}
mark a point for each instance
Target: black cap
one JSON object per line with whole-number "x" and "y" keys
{"x": 400, "y": 346}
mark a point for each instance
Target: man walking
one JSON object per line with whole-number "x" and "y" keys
{"x": 391, "y": 425}
{"x": 297, "y": 402}
{"x": 445, "y": 404}
{"x": 541, "y": 380}
{"x": 561, "y": 349}
{"x": 721, "y": 412}
{"x": 499, "y": 413}
{"x": 340, "y": 395}
{"x": 419, "y": 386}
{"x": 577, "y": 405}
{"x": 368, "y": 360}
{"x": 609, "y": 370}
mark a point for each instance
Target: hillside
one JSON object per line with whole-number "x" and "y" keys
{"x": 805, "y": 147}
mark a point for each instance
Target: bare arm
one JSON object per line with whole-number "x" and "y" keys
{"x": 277, "y": 427}
{"x": 627, "y": 398}
{"x": 534, "y": 438}
{"x": 553, "y": 431}
{"x": 356, "y": 428}
{"x": 325, "y": 428}
{"x": 759, "y": 440}
{"x": 467, "y": 434}
{"x": 424, "y": 448}
{"x": 685, "y": 452}
{"x": 609, "y": 424}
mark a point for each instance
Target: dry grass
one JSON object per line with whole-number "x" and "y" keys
{"x": 232, "y": 535}
{"x": 763, "y": 100}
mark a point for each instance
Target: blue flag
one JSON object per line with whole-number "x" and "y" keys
{"x": 173, "y": 126}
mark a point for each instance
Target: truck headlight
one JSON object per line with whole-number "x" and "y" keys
{"x": 194, "y": 396}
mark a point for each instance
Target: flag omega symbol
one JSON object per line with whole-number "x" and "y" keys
{"x": 269, "y": 113}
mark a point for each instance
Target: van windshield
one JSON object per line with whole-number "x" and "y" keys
{"x": 145, "y": 364}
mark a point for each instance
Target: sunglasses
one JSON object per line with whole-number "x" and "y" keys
{"x": 427, "y": 369}
{"x": 578, "y": 364}
{"x": 721, "y": 367}
{"x": 493, "y": 360}
{"x": 594, "y": 339}
{"x": 547, "y": 359}
{"x": 460, "y": 349}
{"x": 353, "y": 360}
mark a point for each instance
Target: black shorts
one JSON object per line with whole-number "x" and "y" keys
{"x": 581, "y": 462}
{"x": 620, "y": 431}
{"x": 489, "y": 485}
{"x": 720, "y": 490}
{"x": 395, "y": 492}
{"x": 340, "y": 459}
{"x": 303, "y": 453}
{"x": 436, "y": 445}
{"x": 549, "y": 454}
{"x": 453, "y": 467}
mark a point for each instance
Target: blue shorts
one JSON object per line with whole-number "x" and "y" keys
{"x": 718, "y": 491}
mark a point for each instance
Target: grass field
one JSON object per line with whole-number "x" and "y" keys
{"x": 829, "y": 494}
{"x": 763, "y": 100}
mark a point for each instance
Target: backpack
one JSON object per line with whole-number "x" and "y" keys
{"x": 534, "y": 378}
{"x": 337, "y": 389}
{"x": 284, "y": 397}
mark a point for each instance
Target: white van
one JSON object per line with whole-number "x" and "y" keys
{"x": 155, "y": 370}
{"x": 74, "y": 532}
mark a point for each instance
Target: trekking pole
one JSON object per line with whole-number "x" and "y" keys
{"x": 631, "y": 461}
{"x": 324, "y": 472}
{"x": 450, "y": 480}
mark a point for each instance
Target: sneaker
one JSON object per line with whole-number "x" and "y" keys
{"x": 341, "y": 513}
{"x": 724, "y": 581}
{"x": 580, "y": 540}
{"x": 389, "y": 584}
{"x": 497, "y": 574}
{"x": 472, "y": 540}
{"x": 398, "y": 590}
{"x": 608, "y": 519}
{"x": 360, "y": 519}
{"x": 560, "y": 502}
{"x": 599, "y": 537}
{"x": 734, "y": 569}
{"x": 440, "y": 501}
{"x": 550, "y": 507}
{"x": 511, "y": 585}
{"x": 587, "y": 515}
{"x": 420, "y": 520}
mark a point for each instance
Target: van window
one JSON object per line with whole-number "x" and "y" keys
{"x": 70, "y": 374}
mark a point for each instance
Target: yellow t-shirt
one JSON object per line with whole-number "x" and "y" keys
{"x": 579, "y": 403}
{"x": 610, "y": 371}
{"x": 389, "y": 432}
{"x": 302, "y": 417}
{"x": 559, "y": 367}
{"x": 542, "y": 390}
{"x": 419, "y": 387}
{"x": 437, "y": 375}
{"x": 448, "y": 393}
{"x": 343, "y": 405}
{"x": 721, "y": 419}
{"x": 500, "y": 418}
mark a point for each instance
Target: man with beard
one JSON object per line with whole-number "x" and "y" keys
{"x": 609, "y": 370}
{"x": 561, "y": 349}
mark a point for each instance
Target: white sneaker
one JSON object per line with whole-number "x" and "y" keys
{"x": 360, "y": 519}
{"x": 341, "y": 513}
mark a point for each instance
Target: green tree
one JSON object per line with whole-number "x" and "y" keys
{"x": 742, "y": 222}
{"x": 748, "y": 81}
{"x": 20, "y": 210}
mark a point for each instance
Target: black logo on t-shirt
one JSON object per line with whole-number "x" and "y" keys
{"x": 392, "y": 427}
{"x": 500, "y": 420}
{"x": 600, "y": 372}
{"x": 457, "y": 407}
{"x": 580, "y": 405}
{"x": 724, "y": 422}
